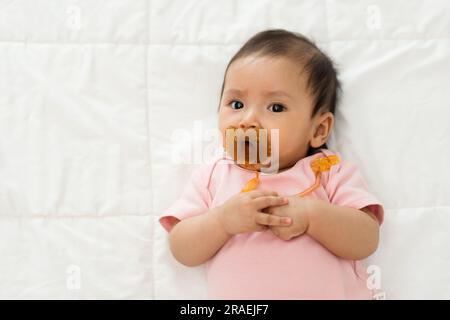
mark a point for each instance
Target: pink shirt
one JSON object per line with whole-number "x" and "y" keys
{"x": 259, "y": 265}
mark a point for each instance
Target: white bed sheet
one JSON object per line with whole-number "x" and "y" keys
{"x": 90, "y": 92}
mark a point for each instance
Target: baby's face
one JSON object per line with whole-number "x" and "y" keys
{"x": 270, "y": 93}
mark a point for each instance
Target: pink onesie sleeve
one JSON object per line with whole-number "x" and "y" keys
{"x": 346, "y": 187}
{"x": 194, "y": 200}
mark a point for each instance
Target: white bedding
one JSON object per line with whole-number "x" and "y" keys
{"x": 91, "y": 91}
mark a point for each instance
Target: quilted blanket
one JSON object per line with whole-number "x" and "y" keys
{"x": 97, "y": 96}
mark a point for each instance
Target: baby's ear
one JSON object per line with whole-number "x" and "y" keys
{"x": 322, "y": 129}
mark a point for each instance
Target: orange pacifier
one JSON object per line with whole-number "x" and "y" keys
{"x": 249, "y": 148}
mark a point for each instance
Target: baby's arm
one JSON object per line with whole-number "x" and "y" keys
{"x": 195, "y": 240}
{"x": 347, "y": 232}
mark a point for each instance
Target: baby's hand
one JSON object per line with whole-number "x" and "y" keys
{"x": 297, "y": 210}
{"x": 243, "y": 212}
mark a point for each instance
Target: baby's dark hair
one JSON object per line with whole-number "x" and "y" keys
{"x": 322, "y": 78}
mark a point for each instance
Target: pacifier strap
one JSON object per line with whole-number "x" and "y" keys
{"x": 252, "y": 184}
{"x": 318, "y": 166}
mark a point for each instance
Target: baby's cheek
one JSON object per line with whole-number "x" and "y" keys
{"x": 293, "y": 146}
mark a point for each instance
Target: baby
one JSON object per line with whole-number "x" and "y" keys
{"x": 258, "y": 235}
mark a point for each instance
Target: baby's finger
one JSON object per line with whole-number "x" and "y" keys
{"x": 275, "y": 231}
{"x": 262, "y": 193}
{"x": 261, "y": 227}
{"x": 270, "y": 201}
{"x": 271, "y": 220}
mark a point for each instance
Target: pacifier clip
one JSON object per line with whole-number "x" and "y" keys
{"x": 318, "y": 166}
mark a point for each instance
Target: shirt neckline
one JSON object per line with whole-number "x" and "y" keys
{"x": 278, "y": 173}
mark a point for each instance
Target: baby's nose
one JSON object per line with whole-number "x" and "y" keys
{"x": 246, "y": 127}
{"x": 250, "y": 120}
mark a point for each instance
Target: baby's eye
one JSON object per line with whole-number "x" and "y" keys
{"x": 276, "y": 107}
{"x": 236, "y": 105}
